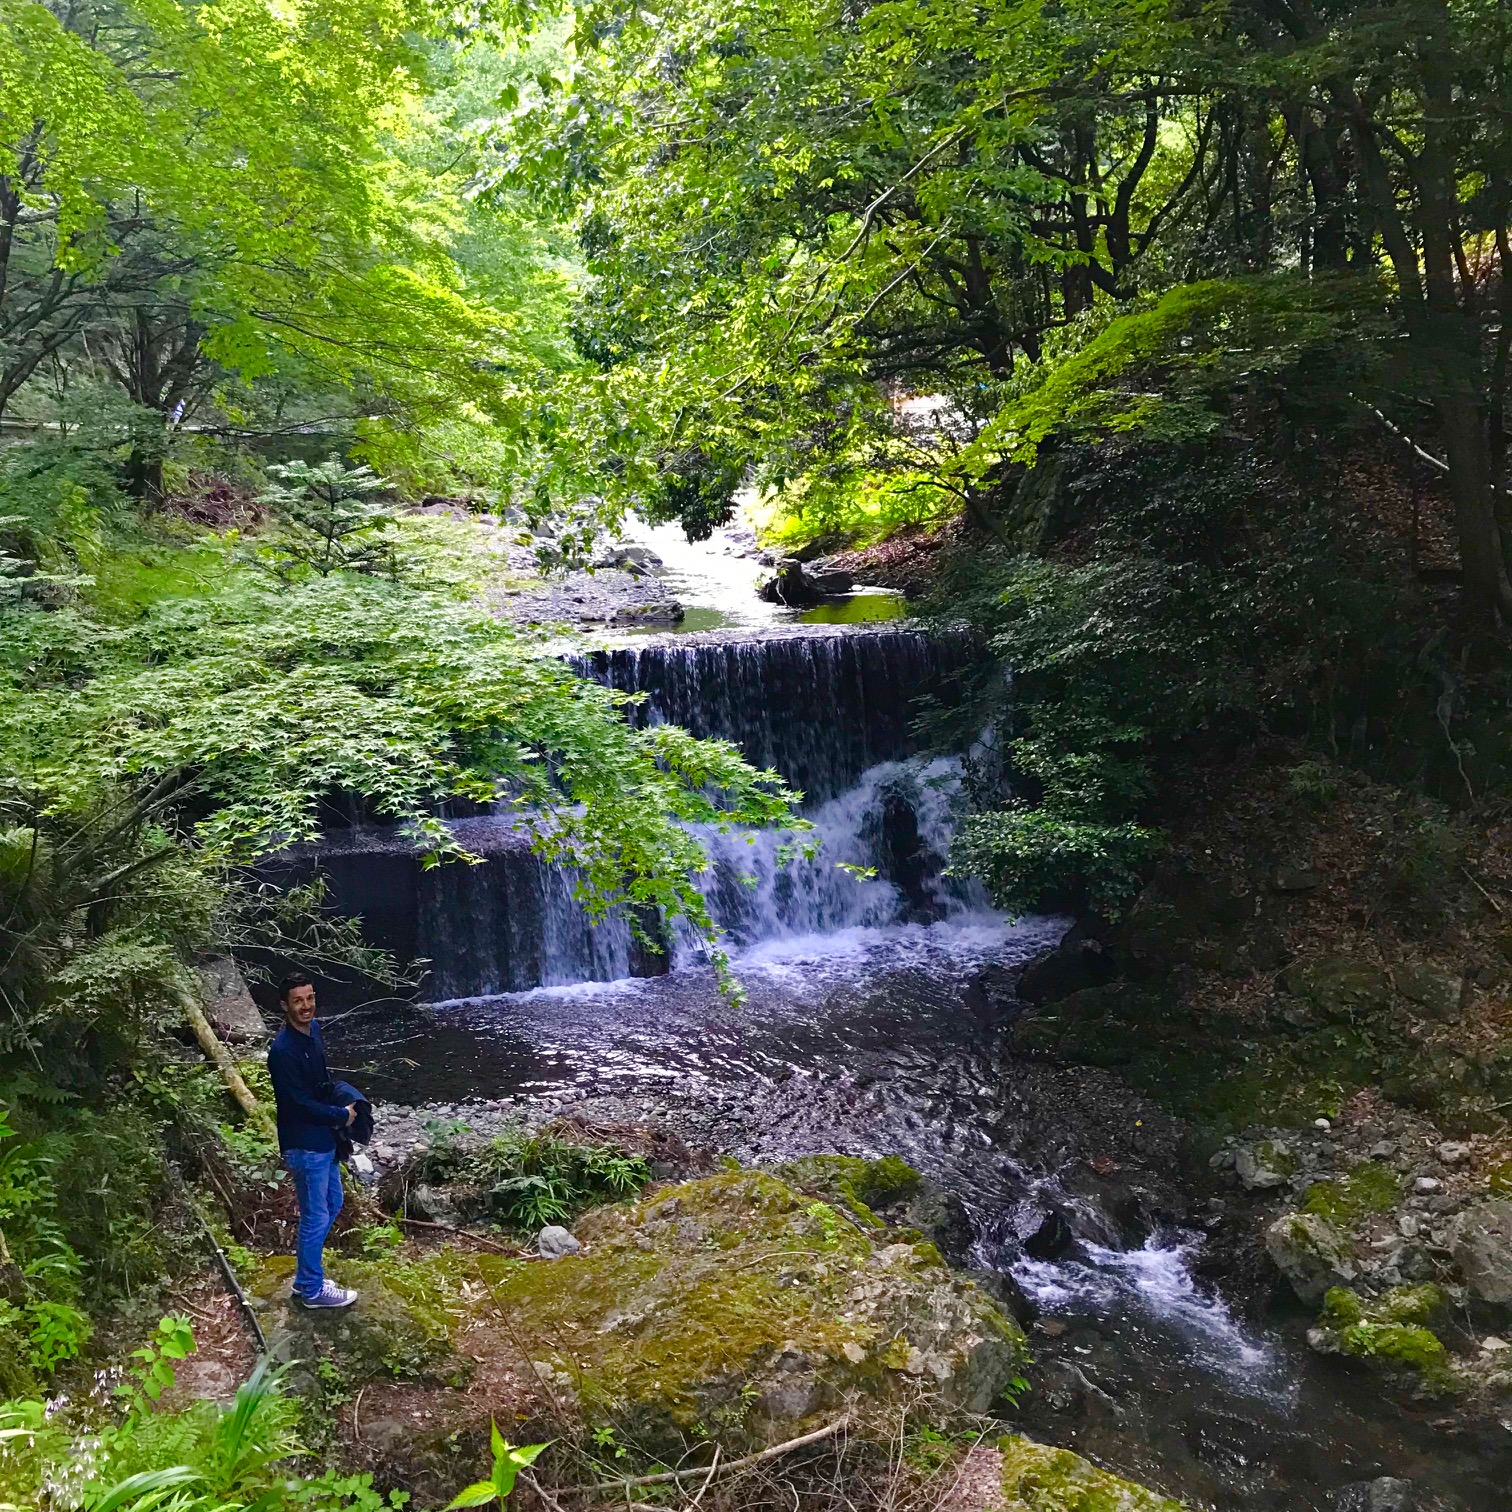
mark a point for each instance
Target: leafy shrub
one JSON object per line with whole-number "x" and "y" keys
{"x": 1034, "y": 858}
{"x": 202, "y": 1458}
{"x": 41, "y": 1324}
{"x": 1421, "y": 868}
{"x": 528, "y": 1180}
{"x": 1313, "y": 782}
{"x": 1196, "y": 603}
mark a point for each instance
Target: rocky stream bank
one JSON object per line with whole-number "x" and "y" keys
{"x": 795, "y": 1319}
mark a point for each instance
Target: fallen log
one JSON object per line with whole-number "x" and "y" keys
{"x": 210, "y": 1042}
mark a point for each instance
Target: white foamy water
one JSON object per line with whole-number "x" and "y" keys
{"x": 897, "y": 819}
{"x": 1154, "y": 1283}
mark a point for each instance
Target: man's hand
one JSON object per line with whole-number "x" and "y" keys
{"x": 351, "y": 1113}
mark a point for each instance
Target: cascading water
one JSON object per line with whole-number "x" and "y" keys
{"x": 819, "y": 707}
{"x": 879, "y": 859}
{"x": 509, "y": 924}
{"x": 830, "y": 708}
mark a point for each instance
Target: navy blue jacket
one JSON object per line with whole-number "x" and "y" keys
{"x": 301, "y": 1082}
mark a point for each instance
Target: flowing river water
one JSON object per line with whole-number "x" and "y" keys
{"x": 876, "y": 996}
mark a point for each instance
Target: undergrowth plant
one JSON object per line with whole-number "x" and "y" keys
{"x": 198, "y": 1458}
{"x": 41, "y": 1324}
{"x": 526, "y": 1180}
{"x": 508, "y": 1461}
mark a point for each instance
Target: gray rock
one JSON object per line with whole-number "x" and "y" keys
{"x": 606, "y": 596}
{"x": 1453, "y": 1154}
{"x": 1386, "y": 1494}
{"x": 1295, "y": 879}
{"x": 633, "y": 558}
{"x": 1311, "y": 1253}
{"x": 228, "y": 1004}
{"x": 554, "y": 1242}
{"x": 1438, "y": 994}
{"x": 1425, "y": 1186}
{"x": 1264, "y": 1165}
{"x": 1480, "y": 1241}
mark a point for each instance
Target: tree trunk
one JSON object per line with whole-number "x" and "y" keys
{"x": 1468, "y": 455}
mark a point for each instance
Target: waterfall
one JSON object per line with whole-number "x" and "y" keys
{"x": 881, "y": 850}
{"x": 831, "y": 709}
{"x": 820, "y": 707}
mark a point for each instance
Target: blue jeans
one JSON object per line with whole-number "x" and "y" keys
{"x": 317, "y": 1185}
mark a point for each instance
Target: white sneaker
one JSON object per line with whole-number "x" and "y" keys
{"x": 331, "y": 1295}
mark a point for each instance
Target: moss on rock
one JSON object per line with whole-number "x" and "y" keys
{"x": 887, "y": 1193}
{"x": 735, "y": 1305}
{"x": 859, "y": 1186}
{"x": 1311, "y": 1253}
{"x": 1038, "y": 1478}
{"x": 1339, "y": 989}
{"x": 400, "y": 1327}
{"x": 1369, "y": 1188}
{"x": 1390, "y": 1329}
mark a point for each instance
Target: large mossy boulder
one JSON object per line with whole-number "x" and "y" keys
{"x": 1312, "y": 1253}
{"x": 1038, "y": 1478}
{"x": 400, "y": 1327}
{"x": 739, "y": 1306}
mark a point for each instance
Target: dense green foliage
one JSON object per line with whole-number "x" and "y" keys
{"x": 200, "y": 1458}
{"x": 794, "y": 215}
{"x": 526, "y": 1180}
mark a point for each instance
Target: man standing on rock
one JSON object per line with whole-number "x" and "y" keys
{"x": 308, "y": 1121}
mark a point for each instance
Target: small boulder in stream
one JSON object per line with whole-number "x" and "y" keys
{"x": 800, "y": 587}
{"x": 1384, "y": 1494}
{"x": 788, "y": 584}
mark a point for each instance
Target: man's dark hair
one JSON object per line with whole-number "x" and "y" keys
{"x": 290, "y": 982}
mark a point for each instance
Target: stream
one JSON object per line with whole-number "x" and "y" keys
{"x": 876, "y": 994}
